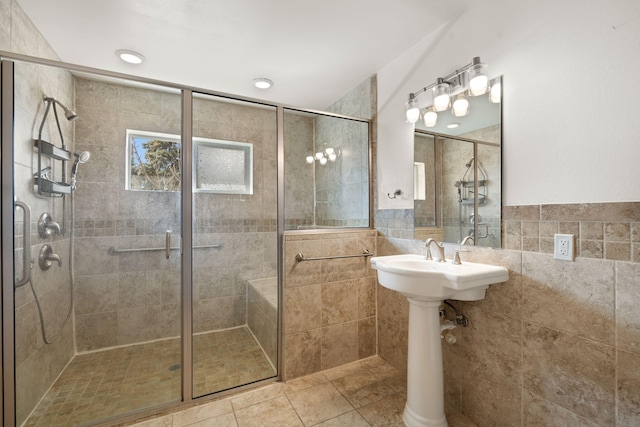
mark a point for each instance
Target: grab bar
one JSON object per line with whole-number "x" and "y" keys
{"x": 26, "y": 244}
{"x": 365, "y": 253}
{"x": 116, "y": 251}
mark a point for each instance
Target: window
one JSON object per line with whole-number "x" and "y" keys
{"x": 153, "y": 161}
{"x": 153, "y": 164}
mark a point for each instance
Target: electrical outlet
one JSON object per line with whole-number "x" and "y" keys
{"x": 563, "y": 246}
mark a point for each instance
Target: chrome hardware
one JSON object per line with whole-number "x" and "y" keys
{"x": 47, "y": 258}
{"x": 365, "y": 253}
{"x": 456, "y": 257}
{"x": 167, "y": 244}
{"x": 27, "y": 262}
{"x": 47, "y": 226}
{"x": 439, "y": 247}
{"x": 466, "y": 239}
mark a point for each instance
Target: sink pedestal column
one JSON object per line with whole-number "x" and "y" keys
{"x": 425, "y": 384}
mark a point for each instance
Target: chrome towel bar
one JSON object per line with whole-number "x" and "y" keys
{"x": 365, "y": 253}
{"x": 117, "y": 251}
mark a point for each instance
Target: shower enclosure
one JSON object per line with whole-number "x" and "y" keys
{"x": 158, "y": 212}
{"x": 142, "y": 237}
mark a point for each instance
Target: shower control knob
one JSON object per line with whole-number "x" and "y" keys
{"x": 46, "y": 258}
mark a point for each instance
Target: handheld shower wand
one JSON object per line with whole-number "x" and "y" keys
{"x": 80, "y": 159}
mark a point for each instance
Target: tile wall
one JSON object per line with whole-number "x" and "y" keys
{"x": 134, "y": 297}
{"x": 37, "y": 364}
{"x": 329, "y": 305}
{"x": 559, "y": 343}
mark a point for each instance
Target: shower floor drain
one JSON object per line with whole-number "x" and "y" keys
{"x": 174, "y": 367}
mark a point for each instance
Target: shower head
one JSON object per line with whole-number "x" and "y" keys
{"x": 68, "y": 113}
{"x": 469, "y": 163}
{"x": 80, "y": 159}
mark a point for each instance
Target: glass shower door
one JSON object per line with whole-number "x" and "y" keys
{"x": 98, "y": 317}
{"x": 234, "y": 243}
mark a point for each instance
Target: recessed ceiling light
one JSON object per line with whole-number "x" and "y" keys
{"x": 130, "y": 56}
{"x": 262, "y": 83}
{"x": 453, "y": 125}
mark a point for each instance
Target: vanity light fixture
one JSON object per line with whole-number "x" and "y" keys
{"x": 471, "y": 78}
{"x": 460, "y": 106}
{"x": 430, "y": 117}
{"x": 329, "y": 154}
{"x": 130, "y": 56}
{"x": 495, "y": 93}
{"x": 262, "y": 83}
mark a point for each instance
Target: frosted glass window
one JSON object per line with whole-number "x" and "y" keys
{"x": 223, "y": 166}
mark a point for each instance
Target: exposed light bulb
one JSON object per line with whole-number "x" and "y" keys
{"x": 441, "y": 99}
{"x": 460, "y": 106}
{"x": 309, "y": 159}
{"x": 496, "y": 93}
{"x": 477, "y": 76}
{"x": 319, "y": 155}
{"x": 332, "y": 157}
{"x": 329, "y": 151}
{"x": 430, "y": 118}
{"x": 323, "y": 161}
{"x": 413, "y": 112}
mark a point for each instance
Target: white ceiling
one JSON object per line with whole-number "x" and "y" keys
{"x": 314, "y": 51}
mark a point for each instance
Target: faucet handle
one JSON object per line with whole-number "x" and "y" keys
{"x": 456, "y": 257}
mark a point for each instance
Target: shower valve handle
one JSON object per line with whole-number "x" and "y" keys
{"x": 46, "y": 258}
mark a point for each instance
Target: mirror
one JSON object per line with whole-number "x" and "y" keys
{"x": 458, "y": 175}
{"x": 326, "y": 167}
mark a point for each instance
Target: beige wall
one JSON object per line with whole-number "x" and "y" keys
{"x": 557, "y": 344}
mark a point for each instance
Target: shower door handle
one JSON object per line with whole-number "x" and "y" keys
{"x": 26, "y": 243}
{"x": 167, "y": 244}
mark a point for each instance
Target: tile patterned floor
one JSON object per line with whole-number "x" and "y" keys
{"x": 368, "y": 392}
{"x": 98, "y": 385}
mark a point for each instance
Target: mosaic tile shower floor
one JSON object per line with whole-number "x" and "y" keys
{"x": 98, "y": 385}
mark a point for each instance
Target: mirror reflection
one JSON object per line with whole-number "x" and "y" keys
{"x": 326, "y": 171}
{"x": 457, "y": 176}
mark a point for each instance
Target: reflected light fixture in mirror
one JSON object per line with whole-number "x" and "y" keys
{"x": 454, "y": 84}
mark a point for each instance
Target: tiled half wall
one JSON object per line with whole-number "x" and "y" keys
{"x": 329, "y": 305}
{"x": 559, "y": 342}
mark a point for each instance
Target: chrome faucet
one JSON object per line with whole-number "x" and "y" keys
{"x": 466, "y": 239}
{"x": 438, "y": 246}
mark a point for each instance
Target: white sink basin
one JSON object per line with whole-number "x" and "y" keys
{"x": 429, "y": 280}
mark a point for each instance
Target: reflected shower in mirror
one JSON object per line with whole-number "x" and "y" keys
{"x": 458, "y": 175}
{"x": 326, "y": 171}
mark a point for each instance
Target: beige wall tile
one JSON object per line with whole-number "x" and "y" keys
{"x": 339, "y": 344}
{"x": 339, "y": 302}
{"x": 576, "y": 297}
{"x": 539, "y": 412}
{"x": 490, "y": 400}
{"x": 367, "y": 343}
{"x": 303, "y": 308}
{"x": 627, "y": 312}
{"x": 302, "y": 353}
{"x": 628, "y": 397}
{"x": 572, "y": 372}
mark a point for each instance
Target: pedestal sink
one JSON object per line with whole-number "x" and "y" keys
{"x": 426, "y": 283}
